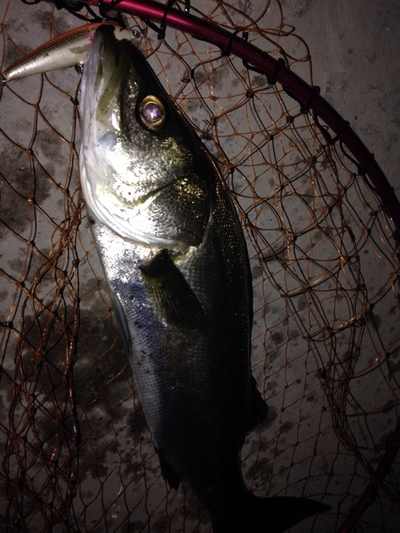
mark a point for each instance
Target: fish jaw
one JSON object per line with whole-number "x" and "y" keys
{"x": 151, "y": 187}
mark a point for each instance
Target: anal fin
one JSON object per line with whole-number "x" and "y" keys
{"x": 170, "y": 474}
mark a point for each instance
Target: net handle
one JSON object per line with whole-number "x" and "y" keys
{"x": 307, "y": 95}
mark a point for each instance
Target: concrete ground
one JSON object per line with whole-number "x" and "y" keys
{"x": 353, "y": 47}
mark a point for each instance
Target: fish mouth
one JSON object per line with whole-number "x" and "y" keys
{"x": 110, "y": 60}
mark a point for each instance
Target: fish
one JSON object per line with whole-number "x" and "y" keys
{"x": 176, "y": 261}
{"x": 66, "y": 50}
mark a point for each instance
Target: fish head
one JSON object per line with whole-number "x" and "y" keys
{"x": 144, "y": 172}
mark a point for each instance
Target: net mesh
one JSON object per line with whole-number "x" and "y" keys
{"x": 77, "y": 455}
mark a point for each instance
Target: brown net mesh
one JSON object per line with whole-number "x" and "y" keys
{"x": 77, "y": 455}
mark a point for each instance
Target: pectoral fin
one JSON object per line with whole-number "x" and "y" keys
{"x": 173, "y": 297}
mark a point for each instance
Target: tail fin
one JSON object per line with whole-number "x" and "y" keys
{"x": 270, "y": 515}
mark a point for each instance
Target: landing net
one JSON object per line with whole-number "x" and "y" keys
{"x": 77, "y": 455}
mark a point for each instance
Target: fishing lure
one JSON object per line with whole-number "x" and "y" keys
{"x": 66, "y": 50}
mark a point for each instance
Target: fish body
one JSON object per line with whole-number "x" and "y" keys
{"x": 176, "y": 262}
{"x": 66, "y": 50}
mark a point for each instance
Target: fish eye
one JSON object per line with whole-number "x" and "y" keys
{"x": 152, "y": 112}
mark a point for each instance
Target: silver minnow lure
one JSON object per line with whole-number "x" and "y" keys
{"x": 176, "y": 262}
{"x": 66, "y": 50}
